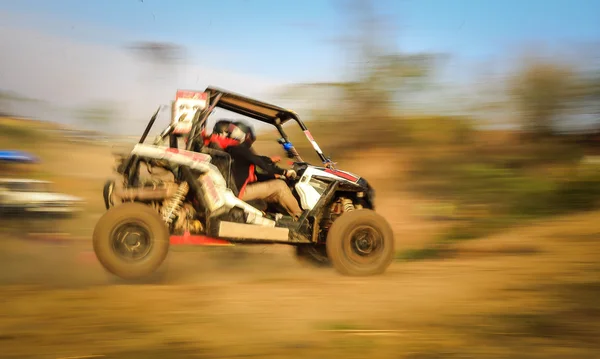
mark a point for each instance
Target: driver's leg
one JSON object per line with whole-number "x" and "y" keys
{"x": 273, "y": 191}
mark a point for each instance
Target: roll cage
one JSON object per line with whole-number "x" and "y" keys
{"x": 257, "y": 110}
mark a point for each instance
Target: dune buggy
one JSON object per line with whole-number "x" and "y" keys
{"x": 165, "y": 195}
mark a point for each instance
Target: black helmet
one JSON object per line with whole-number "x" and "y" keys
{"x": 242, "y": 132}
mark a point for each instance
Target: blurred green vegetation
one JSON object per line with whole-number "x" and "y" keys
{"x": 99, "y": 115}
{"x": 508, "y": 183}
{"x": 494, "y": 179}
{"x": 509, "y": 176}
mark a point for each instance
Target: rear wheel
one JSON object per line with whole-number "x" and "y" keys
{"x": 360, "y": 243}
{"x": 131, "y": 240}
{"x": 314, "y": 255}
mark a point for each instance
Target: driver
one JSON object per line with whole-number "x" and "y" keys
{"x": 247, "y": 163}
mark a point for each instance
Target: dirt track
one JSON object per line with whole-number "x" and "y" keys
{"x": 217, "y": 303}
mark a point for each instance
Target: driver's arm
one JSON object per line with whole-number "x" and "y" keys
{"x": 268, "y": 168}
{"x": 266, "y": 176}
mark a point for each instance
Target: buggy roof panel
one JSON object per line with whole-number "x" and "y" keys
{"x": 252, "y": 108}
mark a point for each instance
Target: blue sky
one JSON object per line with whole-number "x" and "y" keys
{"x": 295, "y": 39}
{"x": 253, "y": 45}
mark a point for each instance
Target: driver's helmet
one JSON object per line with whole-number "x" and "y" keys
{"x": 221, "y": 128}
{"x": 220, "y": 137}
{"x": 242, "y": 132}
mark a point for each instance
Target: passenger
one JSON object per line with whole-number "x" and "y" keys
{"x": 220, "y": 138}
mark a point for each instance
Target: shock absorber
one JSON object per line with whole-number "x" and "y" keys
{"x": 347, "y": 205}
{"x": 170, "y": 209}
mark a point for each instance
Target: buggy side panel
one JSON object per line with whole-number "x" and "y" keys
{"x": 218, "y": 198}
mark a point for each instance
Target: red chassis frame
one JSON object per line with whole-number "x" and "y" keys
{"x": 188, "y": 239}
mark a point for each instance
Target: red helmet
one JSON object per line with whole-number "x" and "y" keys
{"x": 221, "y": 135}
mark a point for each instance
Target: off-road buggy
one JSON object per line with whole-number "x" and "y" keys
{"x": 188, "y": 197}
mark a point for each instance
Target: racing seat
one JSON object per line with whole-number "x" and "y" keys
{"x": 223, "y": 161}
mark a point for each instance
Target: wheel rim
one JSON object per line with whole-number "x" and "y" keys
{"x": 364, "y": 245}
{"x": 132, "y": 240}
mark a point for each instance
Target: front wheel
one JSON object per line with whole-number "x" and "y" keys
{"x": 131, "y": 240}
{"x": 360, "y": 243}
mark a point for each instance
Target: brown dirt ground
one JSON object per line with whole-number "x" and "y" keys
{"x": 528, "y": 293}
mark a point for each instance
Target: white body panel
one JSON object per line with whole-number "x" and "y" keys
{"x": 219, "y": 198}
{"x": 248, "y": 231}
{"x": 309, "y": 193}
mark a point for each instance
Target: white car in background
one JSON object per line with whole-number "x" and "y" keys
{"x": 25, "y": 197}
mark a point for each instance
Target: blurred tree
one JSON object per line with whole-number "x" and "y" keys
{"x": 4, "y": 104}
{"x": 99, "y": 115}
{"x": 486, "y": 97}
{"x": 542, "y": 91}
{"x": 10, "y": 102}
{"x": 164, "y": 59}
{"x": 378, "y": 75}
{"x": 590, "y": 95}
{"x": 158, "y": 52}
